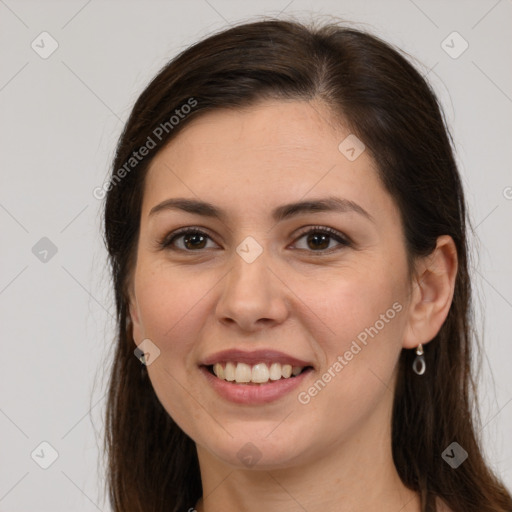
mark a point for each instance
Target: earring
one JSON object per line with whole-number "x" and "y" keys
{"x": 419, "y": 365}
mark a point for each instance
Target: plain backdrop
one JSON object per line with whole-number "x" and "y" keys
{"x": 61, "y": 115}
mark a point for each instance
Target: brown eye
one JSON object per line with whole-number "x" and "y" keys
{"x": 186, "y": 240}
{"x": 194, "y": 241}
{"x": 320, "y": 239}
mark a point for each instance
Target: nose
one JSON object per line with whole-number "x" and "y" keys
{"x": 253, "y": 297}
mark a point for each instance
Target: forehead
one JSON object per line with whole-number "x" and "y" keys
{"x": 268, "y": 154}
{"x": 294, "y": 129}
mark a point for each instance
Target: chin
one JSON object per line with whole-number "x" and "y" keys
{"x": 257, "y": 452}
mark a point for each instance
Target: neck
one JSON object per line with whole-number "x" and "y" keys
{"x": 298, "y": 489}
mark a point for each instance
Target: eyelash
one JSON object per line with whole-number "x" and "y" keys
{"x": 167, "y": 241}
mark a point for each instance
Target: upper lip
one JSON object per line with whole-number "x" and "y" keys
{"x": 253, "y": 357}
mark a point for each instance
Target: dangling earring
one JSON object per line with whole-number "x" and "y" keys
{"x": 419, "y": 365}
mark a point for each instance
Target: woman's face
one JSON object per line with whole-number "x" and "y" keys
{"x": 267, "y": 281}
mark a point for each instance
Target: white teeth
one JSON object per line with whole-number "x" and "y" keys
{"x": 259, "y": 373}
{"x": 243, "y": 373}
{"x": 275, "y": 371}
{"x": 286, "y": 370}
{"x": 218, "y": 370}
{"x": 229, "y": 372}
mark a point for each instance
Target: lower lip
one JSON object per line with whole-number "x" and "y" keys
{"x": 254, "y": 393}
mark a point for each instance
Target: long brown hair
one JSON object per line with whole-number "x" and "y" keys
{"x": 373, "y": 89}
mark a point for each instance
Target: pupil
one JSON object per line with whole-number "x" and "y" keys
{"x": 323, "y": 238}
{"x": 196, "y": 236}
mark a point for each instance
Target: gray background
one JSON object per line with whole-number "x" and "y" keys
{"x": 60, "y": 119}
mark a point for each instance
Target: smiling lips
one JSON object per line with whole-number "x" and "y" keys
{"x": 257, "y": 367}
{"x": 259, "y": 373}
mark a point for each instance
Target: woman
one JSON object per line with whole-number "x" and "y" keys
{"x": 286, "y": 228}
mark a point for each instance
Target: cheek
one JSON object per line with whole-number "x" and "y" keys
{"x": 170, "y": 301}
{"x": 362, "y": 316}
{"x": 360, "y": 350}
{"x": 172, "y": 310}
{"x": 349, "y": 301}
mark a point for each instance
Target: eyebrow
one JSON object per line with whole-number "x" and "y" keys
{"x": 286, "y": 211}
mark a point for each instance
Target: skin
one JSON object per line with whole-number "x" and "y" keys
{"x": 334, "y": 453}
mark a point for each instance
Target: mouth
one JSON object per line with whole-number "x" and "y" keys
{"x": 254, "y": 377}
{"x": 257, "y": 374}
{"x": 242, "y": 390}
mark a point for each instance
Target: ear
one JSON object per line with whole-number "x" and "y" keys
{"x": 432, "y": 293}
